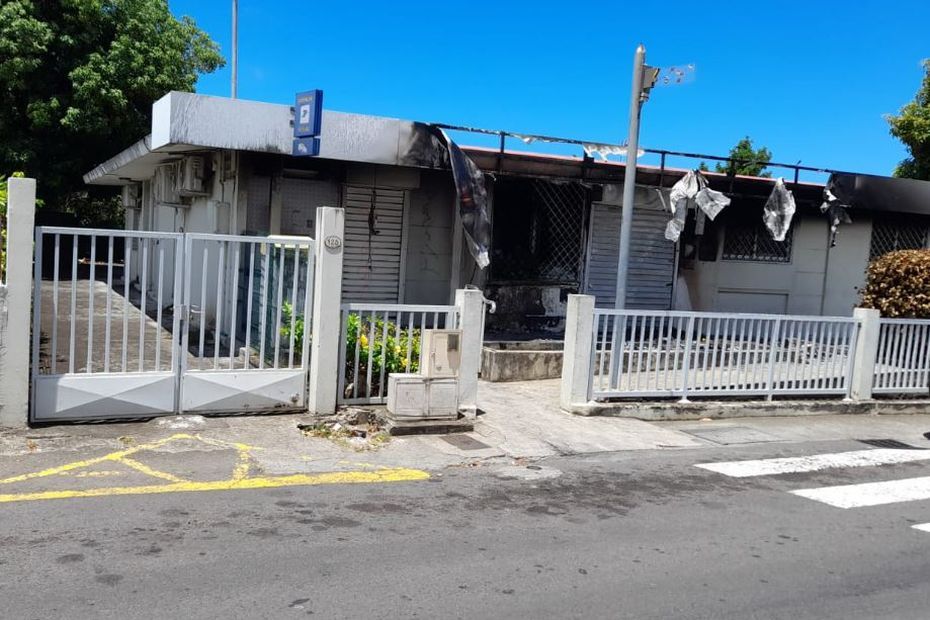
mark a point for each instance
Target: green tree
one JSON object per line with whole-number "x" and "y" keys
{"x": 753, "y": 160}
{"x": 77, "y": 82}
{"x": 912, "y": 127}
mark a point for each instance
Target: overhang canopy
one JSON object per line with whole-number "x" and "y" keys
{"x": 187, "y": 122}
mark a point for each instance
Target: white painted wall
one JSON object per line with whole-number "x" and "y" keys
{"x": 795, "y": 288}
{"x": 431, "y": 217}
{"x": 847, "y": 264}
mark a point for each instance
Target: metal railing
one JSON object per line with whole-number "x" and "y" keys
{"x": 249, "y": 301}
{"x": 902, "y": 365}
{"x": 380, "y": 339}
{"x": 116, "y": 301}
{"x": 656, "y": 354}
{"x": 104, "y": 299}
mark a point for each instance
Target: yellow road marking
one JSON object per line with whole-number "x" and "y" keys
{"x": 258, "y": 482}
{"x": 239, "y": 478}
{"x": 149, "y": 471}
{"x": 113, "y": 456}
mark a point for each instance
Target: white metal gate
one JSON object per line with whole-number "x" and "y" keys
{"x": 138, "y": 324}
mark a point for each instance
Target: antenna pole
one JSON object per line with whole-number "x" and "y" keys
{"x": 235, "y": 48}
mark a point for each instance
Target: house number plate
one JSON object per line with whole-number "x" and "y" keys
{"x": 332, "y": 242}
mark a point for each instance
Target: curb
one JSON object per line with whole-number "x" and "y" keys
{"x": 674, "y": 411}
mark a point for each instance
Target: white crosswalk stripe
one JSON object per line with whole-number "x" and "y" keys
{"x": 870, "y": 493}
{"x": 845, "y": 495}
{"x": 816, "y": 462}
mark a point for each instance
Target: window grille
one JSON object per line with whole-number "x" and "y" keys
{"x": 752, "y": 241}
{"x": 563, "y": 206}
{"x": 899, "y": 233}
{"x": 538, "y": 231}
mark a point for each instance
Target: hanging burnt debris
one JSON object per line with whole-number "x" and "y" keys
{"x": 836, "y": 199}
{"x": 430, "y": 146}
{"x": 779, "y": 210}
{"x": 692, "y": 187}
{"x": 473, "y": 201}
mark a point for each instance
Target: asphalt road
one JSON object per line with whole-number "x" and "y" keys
{"x": 623, "y": 535}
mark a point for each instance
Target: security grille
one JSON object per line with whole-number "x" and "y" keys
{"x": 563, "y": 207}
{"x": 538, "y": 231}
{"x": 751, "y": 241}
{"x": 890, "y": 235}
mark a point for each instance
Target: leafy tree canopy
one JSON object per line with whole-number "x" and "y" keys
{"x": 78, "y": 78}
{"x": 912, "y": 127}
{"x": 753, "y": 160}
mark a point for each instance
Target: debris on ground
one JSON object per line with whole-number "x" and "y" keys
{"x": 180, "y": 422}
{"x": 359, "y": 429}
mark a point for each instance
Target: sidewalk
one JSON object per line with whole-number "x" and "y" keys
{"x": 520, "y": 421}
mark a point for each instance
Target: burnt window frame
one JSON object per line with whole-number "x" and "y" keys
{"x": 502, "y": 269}
{"x": 745, "y": 216}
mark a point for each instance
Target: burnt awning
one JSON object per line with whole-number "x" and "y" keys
{"x": 876, "y": 193}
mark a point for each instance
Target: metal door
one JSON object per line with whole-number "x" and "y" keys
{"x": 246, "y": 323}
{"x": 102, "y": 322}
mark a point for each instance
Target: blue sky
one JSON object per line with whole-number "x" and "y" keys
{"x": 810, "y": 80}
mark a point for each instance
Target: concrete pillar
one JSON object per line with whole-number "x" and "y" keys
{"x": 327, "y": 302}
{"x": 14, "y": 341}
{"x": 866, "y": 353}
{"x": 577, "y": 355}
{"x": 470, "y": 303}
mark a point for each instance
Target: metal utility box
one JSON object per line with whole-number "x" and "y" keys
{"x": 406, "y": 397}
{"x": 440, "y": 352}
{"x": 418, "y": 397}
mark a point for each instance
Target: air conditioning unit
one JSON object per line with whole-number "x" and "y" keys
{"x": 165, "y": 185}
{"x": 132, "y": 196}
{"x": 192, "y": 175}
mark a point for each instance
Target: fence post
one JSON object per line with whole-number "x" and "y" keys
{"x": 774, "y": 350}
{"x": 327, "y": 305}
{"x": 14, "y": 334}
{"x": 577, "y": 367}
{"x": 686, "y": 362}
{"x": 866, "y": 353}
{"x": 470, "y": 303}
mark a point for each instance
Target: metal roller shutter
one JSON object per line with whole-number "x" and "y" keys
{"x": 652, "y": 257}
{"x": 372, "y": 267}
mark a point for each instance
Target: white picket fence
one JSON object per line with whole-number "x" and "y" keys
{"x": 902, "y": 365}
{"x": 617, "y": 354}
{"x": 653, "y": 354}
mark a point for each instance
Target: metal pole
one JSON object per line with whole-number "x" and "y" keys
{"x": 235, "y": 48}
{"x": 629, "y": 177}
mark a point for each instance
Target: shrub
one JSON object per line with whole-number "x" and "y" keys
{"x": 387, "y": 347}
{"x": 287, "y": 310}
{"x": 898, "y": 284}
{"x": 383, "y": 342}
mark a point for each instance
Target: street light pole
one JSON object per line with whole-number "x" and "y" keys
{"x": 629, "y": 177}
{"x": 235, "y": 48}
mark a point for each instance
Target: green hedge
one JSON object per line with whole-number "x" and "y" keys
{"x": 898, "y": 285}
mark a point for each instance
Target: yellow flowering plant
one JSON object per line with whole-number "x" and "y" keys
{"x": 384, "y": 344}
